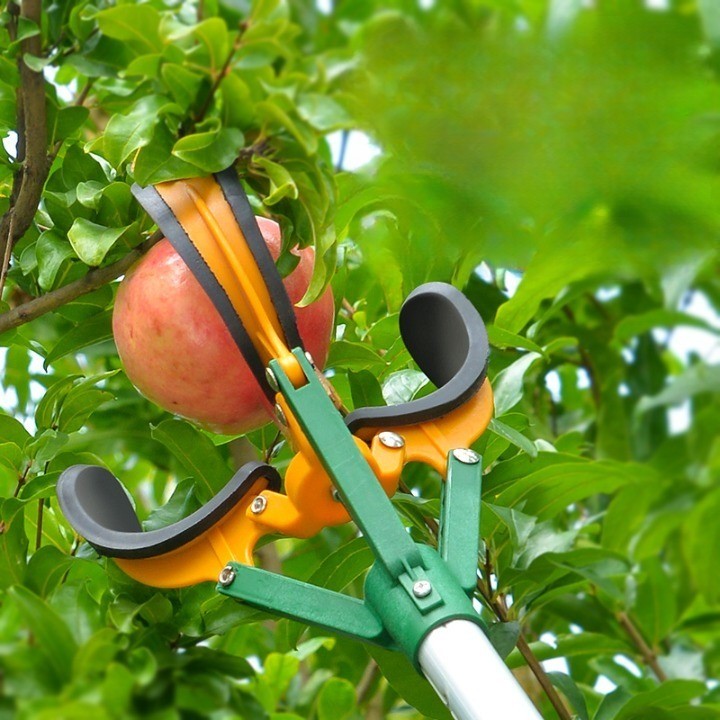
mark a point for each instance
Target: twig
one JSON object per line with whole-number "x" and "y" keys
{"x": 7, "y": 254}
{"x": 271, "y": 447}
{"x": 587, "y": 363}
{"x": 92, "y": 281}
{"x": 366, "y": 681}
{"x": 218, "y": 79}
{"x": 348, "y": 308}
{"x": 499, "y": 607}
{"x": 650, "y": 658}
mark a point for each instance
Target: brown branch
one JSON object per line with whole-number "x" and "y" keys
{"x": 218, "y": 79}
{"x": 587, "y": 363}
{"x": 92, "y": 281}
{"x": 497, "y": 604}
{"x": 32, "y": 139}
{"x": 367, "y": 681}
{"x": 270, "y": 451}
{"x": 648, "y": 655}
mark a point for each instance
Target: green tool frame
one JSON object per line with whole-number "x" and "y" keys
{"x": 411, "y": 588}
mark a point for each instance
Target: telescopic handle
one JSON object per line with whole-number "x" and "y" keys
{"x": 470, "y": 677}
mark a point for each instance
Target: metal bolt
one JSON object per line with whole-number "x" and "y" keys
{"x": 466, "y": 456}
{"x": 258, "y": 505}
{"x": 422, "y": 588}
{"x": 227, "y": 576}
{"x": 391, "y": 439}
{"x": 336, "y": 495}
{"x": 280, "y": 415}
{"x": 271, "y": 379}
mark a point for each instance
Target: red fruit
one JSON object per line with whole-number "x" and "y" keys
{"x": 177, "y": 351}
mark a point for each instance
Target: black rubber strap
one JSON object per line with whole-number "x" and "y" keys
{"x": 165, "y": 219}
{"x": 447, "y": 338}
{"x": 95, "y": 503}
{"x": 245, "y": 217}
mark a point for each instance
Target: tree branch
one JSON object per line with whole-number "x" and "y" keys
{"x": 498, "y": 606}
{"x": 648, "y": 655}
{"x": 92, "y": 281}
{"x": 218, "y": 79}
{"x": 32, "y": 140}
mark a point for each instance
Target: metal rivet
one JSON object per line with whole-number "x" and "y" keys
{"x": 227, "y": 575}
{"x": 336, "y": 495}
{"x": 422, "y": 588}
{"x": 271, "y": 379}
{"x": 466, "y": 456}
{"x": 391, "y": 439}
{"x": 280, "y": 415}
{"x": 258, "y": 505}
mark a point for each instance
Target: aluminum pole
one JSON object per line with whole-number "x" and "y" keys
{"x": 470, "y": 677}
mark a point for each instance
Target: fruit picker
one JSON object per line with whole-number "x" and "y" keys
{"x": 417, "y": 599}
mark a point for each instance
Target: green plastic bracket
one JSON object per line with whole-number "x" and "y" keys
{"x": 407, "y": 623}
{"x": 411, "y": 588}
{"x": 305, "y": 603}
{"x": 460, "y": 519}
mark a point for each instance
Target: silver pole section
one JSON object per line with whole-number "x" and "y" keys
{"x": 470, "y": 677}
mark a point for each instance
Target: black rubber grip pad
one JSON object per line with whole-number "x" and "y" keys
{"x": 245, "y": 217}
{"x": 165, "y": 219}
{"x": 98, "y": 508}
{"x": 446, "y": 337}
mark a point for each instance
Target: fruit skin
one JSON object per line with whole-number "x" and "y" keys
{"x": 177, "y": 351}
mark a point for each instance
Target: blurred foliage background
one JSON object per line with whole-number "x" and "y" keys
{"x": 558, "y": 160}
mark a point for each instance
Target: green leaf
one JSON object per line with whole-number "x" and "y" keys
{"x": 155, "y": 162}
{"x": 633, "y": 325}
{"x": 402, "y": 386}
{"x": 12, "y": 430}
{"x": 509, "y": 383}
{"x": 365, "y": 389}
{"x": 88, "y": 332}
{"x": 52, "y": 251}
{"x": 323, "y": 113}
{"x": 210, "y": 151}
{"x": 13, "y": 543}
{"x": 513, "y": 436}
{"x": 700, "y": 536}
{"x": 655, "y": 605}
{"x": 504, "y": 636}
{"x": 570, "y": 690}
{"x": 282, "y": 184}
{"x": 696, "y": 380}
{"x": 353, "y": 356}
{"x": 53, "y": 637}
{"x": 406, "y": 681}
{"x": 668, "y": 696}
{"x": 67, "y": 121}
{"x": 336, "y": 700}
{"x": 127, "y": 133}
{"x": 196, "y": 454}
{"x": 92, "y": 242}
{"x": 548, "y": 491}
{"x": 134, "y": 23}
{"x": 182, "y": 83}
